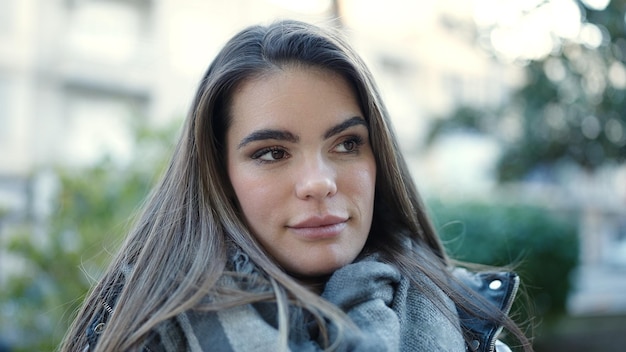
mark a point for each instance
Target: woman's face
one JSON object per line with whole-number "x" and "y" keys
{"x": 302, "y": 167}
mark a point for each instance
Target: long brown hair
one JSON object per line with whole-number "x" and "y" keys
{"x": 178, "y": 247}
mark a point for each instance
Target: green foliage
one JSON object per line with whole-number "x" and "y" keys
{"x": 463, "y": 119}
{"x": 542, "y": 247}
{"x": 59, "y": 259}
{"x": 570, "y": 109}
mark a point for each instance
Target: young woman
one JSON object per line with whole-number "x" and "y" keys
{"x": 287, "y": 220}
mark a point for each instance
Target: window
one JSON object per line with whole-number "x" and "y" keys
{"x": 616, "y": 244}
{"x": 98, "y": 126}
{"x": 109, "y": 31}
{"x": 7, "y": 15}
{"x": 5, "y": 113}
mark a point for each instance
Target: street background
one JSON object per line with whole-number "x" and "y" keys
{"x": 512, "y": 115}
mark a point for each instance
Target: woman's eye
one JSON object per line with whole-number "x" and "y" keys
{"x": 349, "y": 145}
{"x": 270, "y": 154}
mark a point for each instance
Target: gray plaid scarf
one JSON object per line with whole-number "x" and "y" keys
{"x": 391, "y": 315}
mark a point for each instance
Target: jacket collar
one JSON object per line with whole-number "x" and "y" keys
{"x": 486, "y": 289}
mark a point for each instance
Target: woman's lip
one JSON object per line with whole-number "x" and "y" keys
{"x": 319, "y": 221}
{"x": 319, "y": 227}
{"x": 315, "y": 233}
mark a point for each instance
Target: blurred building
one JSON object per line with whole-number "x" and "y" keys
{"x": 74, "y": 74}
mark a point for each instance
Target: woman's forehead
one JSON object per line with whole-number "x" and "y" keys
{"x": 293, "y": 93}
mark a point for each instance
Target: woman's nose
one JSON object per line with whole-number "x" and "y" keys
{"x": 316, "y": 180}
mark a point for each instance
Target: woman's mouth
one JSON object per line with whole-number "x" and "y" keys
{"x": 319, "y": 227}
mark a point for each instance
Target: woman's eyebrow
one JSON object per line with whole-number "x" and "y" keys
{"x": 353, "y": 121}
{"x": 280, "y": 135}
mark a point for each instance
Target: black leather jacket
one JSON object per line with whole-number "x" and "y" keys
{"x": 497, "y": 288}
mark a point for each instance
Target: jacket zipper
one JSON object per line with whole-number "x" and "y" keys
{"x": 505, "y": 310}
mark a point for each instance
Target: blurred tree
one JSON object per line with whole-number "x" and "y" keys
{"x": 59, "y": 260}
{"x": 523, "y": 236}
{"x": 571, "y": 109}
{"x": 539, "y": 244}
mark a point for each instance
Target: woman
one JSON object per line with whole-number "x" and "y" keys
{"x": 287, "y": 220}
